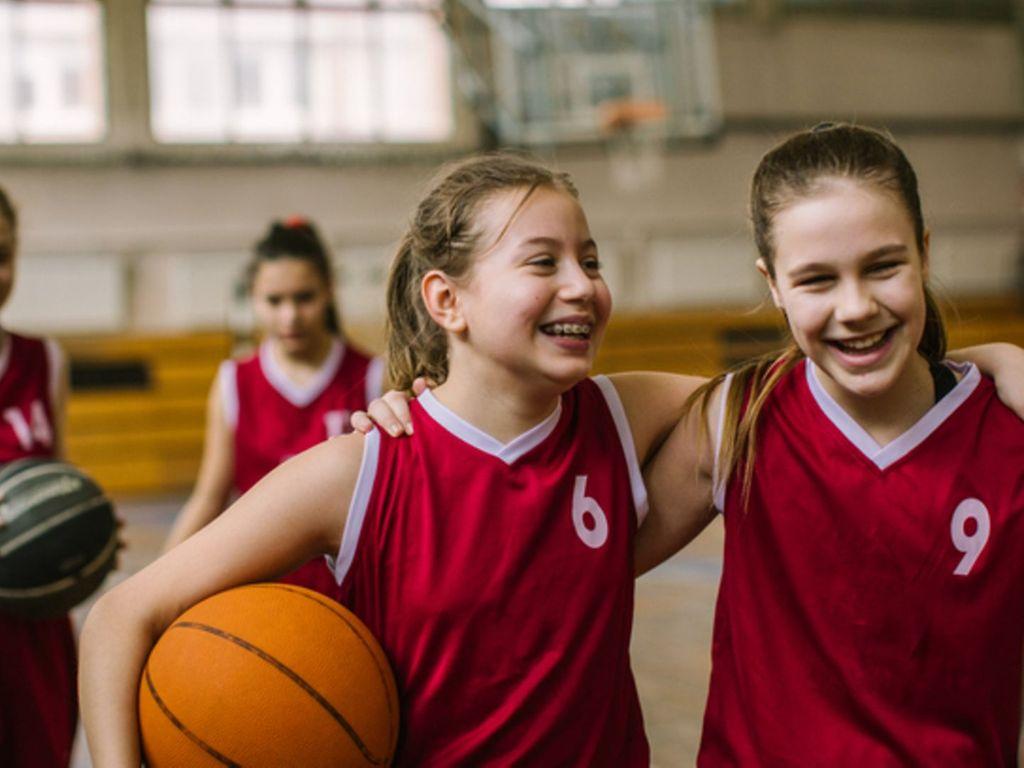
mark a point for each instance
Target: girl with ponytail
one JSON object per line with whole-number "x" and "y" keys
{"x": 491, "y": 553}
{"x": 297, "y": 390}
{"x": 870, "y": 609}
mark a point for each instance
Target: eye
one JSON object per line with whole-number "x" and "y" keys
{"x": 884, "y": 267}
{"x": 591, "y": 263}
{"x": 813, "y": 281}
{"x": 305, "y": 297}
{"x": 273, "y": 300}
{"x": 542, "y": 261}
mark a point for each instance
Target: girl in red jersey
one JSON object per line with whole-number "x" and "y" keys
{"x": 870, "y": 610}
{"x": 38, "y": 710}
{"x": 296, "y": 391}
{"x": 492, "y": 552}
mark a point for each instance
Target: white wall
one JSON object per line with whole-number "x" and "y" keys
{"x": 951, "y": 91}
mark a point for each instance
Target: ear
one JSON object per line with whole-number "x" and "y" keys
{"x": 762, "y": 267}
{"x": 440, "y": 297}
{"x": 926, "y": 241}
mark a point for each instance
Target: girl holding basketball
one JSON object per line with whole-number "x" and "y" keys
{"x": 491, "y": 553}
{"x": 297, "y": 390}
{"x": 870, "y": 610}
{"x": 38, "y": 708}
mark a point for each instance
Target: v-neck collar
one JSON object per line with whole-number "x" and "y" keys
{"x": 301, "y": 395}
{"x": 507, "y": 452}
{"x": 884, "y": 456}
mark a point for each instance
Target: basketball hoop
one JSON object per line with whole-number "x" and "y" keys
{"x": 635, "y": 139}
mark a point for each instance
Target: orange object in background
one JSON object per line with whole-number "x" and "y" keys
{"x": 268, "y": 675}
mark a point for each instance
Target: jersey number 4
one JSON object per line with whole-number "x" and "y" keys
{"x": 32, "y": 431}
{"x": 969, "y": 513}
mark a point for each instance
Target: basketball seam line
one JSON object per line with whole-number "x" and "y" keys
{"x": 35, "y": 532}
{"x": 291, "y": 675}
{"x": 392, "y": 735}
{"x": 184, "y": 729}
{"x": 56, "y": 586}
{"x": 50, "y": 467}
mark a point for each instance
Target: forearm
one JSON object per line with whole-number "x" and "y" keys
{"x": 195, "y": 515}
{"x": 113, "y": 649}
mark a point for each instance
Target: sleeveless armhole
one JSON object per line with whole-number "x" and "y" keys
{"x": 357, "y": 508}
{"x": 227, "y": 383}
{"x": 55, "y": 359}
{"x": 719, "y": 483}
{"x": 636, "y": 478}
{"x": 374, "y": 378}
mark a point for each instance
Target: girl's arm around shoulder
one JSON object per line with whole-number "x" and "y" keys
{"x": 653, "y": 403}
{"x": 295, "y": 513}
{"x": 1005, "y": 364}
{"x": 680, "y": 487}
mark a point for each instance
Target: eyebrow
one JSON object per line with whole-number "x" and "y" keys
{"x": 878, "y": 253}
{"x": 551, "y": 241}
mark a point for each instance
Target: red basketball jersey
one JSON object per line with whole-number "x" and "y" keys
{"x": 273, "y": 419}
{"x": 28, "y": 378}
{"x": 499, "y": 580}
{"x": 38, "y": 705}
{"x": 871, "y": 611}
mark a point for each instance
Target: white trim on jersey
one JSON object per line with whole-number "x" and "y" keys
{"x": 636, "y": 478}
{"x": 227, "y": 381}
{"x": 5, "y": 351}
{"x": 885, "y": 456}
{"x": 467, "y": 433}
{"x": 374, "y": 379}
{"x": 55, "y": 357}
{"x": 301, "y": 395}
{"x": 357, "y": 508}
{"x": 719, "y": 483}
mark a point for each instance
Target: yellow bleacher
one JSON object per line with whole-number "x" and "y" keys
{"x": 149, "y": 440}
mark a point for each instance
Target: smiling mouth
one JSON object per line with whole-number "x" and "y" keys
{"x": 568, "y": 330}
{"x": 865, "y": 344}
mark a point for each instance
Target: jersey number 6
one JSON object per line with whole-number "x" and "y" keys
{"x": 970, "y": 544}
{"x": 583, "y": 506}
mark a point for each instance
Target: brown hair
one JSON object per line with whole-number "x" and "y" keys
{"x": 797, "y": 168}
{"x": 443, "y": 235}
{"x": 296, "y": 238}
{"x": 7, "y": 210}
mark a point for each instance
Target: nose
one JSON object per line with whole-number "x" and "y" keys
{"x": 289, "y": 313}
{"x": 855, "y": 302}
{"x": 576, "y": 284}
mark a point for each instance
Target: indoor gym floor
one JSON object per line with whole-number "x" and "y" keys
{"x": 671, "y": 636}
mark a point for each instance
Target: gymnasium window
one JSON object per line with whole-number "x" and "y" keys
{"x": 248, "y": 71}
{"x": 52, "y": 86}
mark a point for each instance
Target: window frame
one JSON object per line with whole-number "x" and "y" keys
{"x": 129, "y": 140}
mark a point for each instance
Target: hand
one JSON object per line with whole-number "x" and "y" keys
{"x": 1005, "y": 364}
{"x": 390, "y": 411}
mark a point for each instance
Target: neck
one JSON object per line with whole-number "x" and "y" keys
{"x": 305, "y": 360}
{"x": 889, "y": 414}
{"x": 495, "y": 403}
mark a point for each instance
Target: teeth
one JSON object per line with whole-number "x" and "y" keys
{"x": 864, "y": 343}
{"x": 570, "y": 329}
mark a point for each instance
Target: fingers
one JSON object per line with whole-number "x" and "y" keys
{"x": 361, "y": 422}
{"x": 421, "y": 385}
{"x": 391, "y": 412}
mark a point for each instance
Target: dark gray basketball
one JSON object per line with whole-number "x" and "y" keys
{"x": 58, "y": 537}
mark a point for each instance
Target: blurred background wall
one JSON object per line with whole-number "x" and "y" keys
{"x": 147, "y": 144}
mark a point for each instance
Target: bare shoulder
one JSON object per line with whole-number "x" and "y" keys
{"x": 653, "y": 402}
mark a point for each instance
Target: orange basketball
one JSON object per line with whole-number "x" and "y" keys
{"x": 267, "y": 675}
